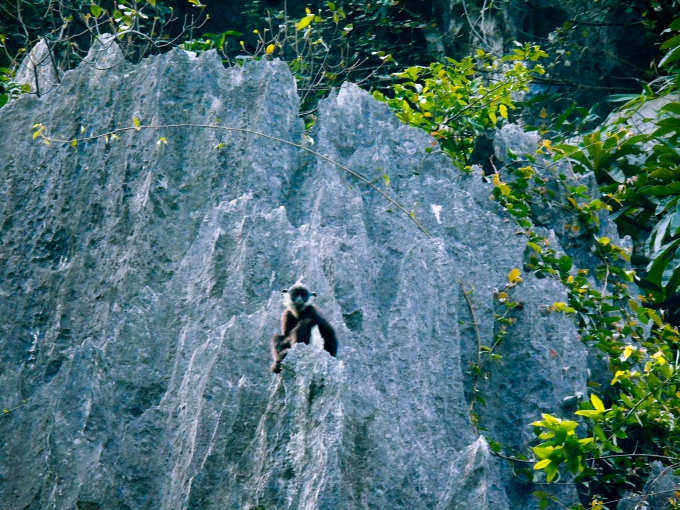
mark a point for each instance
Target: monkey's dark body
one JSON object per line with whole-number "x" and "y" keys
{"x": 298, "y": 330}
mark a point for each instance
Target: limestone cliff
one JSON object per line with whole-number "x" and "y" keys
{"x": 140, "y": 284}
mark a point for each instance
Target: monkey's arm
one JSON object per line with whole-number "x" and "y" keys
{"x": 330, "y": 342}
{"x": 288, "y": 321}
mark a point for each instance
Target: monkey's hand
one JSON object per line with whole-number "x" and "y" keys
{"x": 276, "y": 367}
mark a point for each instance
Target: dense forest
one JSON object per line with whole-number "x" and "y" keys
{"x": 597, "y": 82}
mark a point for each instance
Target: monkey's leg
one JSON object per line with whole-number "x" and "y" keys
{"x": 280, "y": 347}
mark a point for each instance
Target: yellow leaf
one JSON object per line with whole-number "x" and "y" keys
{"x": 543, "y": 114}
{"x": 541, "y": 464}
{"x": 307, "y": 10}
{"x": 627, "y": 352}
{"x": 505, "y": 189}
{"x": 496, "y": 180}
{"x": 659, "y": 358}
{"x": 604, "y": 241}
{"x": 503, "y": 110}
{"x": 136, "y": 121}
{"x": 597, "y": 403}
{"x": 493, "y": 117}
{"x": 305, "y": 21}
{"x": 270, "y": 49}
{"x": 35, "y": 135}
{"x": 514, "y": 276}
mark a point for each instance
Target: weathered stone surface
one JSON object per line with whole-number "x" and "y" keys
{"x": 140, "y": 287}
{"x": 473, "y": 482}
{"x": 38, "y": 70}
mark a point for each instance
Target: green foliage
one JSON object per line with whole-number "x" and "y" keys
{"x": 487, "y": 354}
{"x": 70, "y": 27}
{"x": 639, "y": 174}
{"x": 642, "y": 351}
{"x": 617, "y": 325}
{"x": 639, "y": 423}
{"x": 457, "y": 100}
{"x": 8, "y": 88}
{"x": 352, "y": 40}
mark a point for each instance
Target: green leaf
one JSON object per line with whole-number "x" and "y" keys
{"x": 616, "y": 174}
{"x": 599, "y": 433}
{"x": 535, "y": 247}
{"x": 672, "y": 42}
{"x": 671, "y": 269}
{"x": 658, "y": 234}
{"x": 589, "y": 413}
{"x": 95, "y": 10}
{"x": 626, "y": 399}
{"x": 565, "y": 263}
{"x": 3, "y": 99}
{"x": 673, "y": 107}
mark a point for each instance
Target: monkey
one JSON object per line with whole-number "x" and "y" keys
{"x": 297, "y": 321}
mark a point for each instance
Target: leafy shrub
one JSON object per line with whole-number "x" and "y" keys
{"x": 457, "y": 100}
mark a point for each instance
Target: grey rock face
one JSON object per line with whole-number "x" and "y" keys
{"x": 38, "y": 70}
{"x": 657, "y": 492}
{"x": 140, "y": 288}
{"x": 473, "y": 483}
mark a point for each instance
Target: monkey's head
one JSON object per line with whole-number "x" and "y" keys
{"x": 298, "y": 297}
